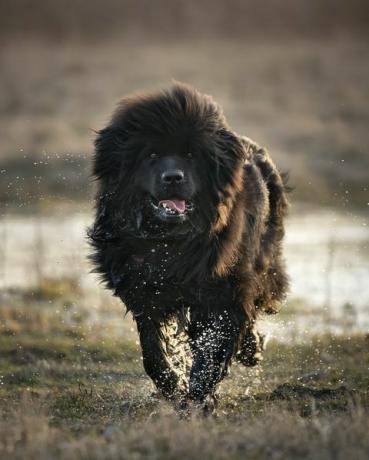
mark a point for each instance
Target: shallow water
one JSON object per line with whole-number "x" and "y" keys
{"x": 327, "y": 256}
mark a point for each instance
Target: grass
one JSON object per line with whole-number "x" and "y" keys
{"x": 72, "y": 390}
{"x": 293, "y": 96}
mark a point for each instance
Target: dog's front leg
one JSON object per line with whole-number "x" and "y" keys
{"x": 213, "y": 341}
{"x": 155, "y": 359}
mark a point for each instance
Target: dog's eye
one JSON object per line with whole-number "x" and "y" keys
{"x": 153, "y": 156}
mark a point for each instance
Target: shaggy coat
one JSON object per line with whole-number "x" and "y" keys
{"x": 188, "y": 229}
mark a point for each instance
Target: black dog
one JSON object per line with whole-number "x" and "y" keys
{"x": 188, "y": 230}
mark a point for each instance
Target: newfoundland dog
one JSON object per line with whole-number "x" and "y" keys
{"x": 188, "y": 234}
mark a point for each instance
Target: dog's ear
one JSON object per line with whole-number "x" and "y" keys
{"x": 230, "y": 144}
{"x": 228, "y": 157}
{"x": 109, "y": 147}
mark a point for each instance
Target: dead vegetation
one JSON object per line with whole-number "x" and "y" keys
{"x": 306, "y": 100}
{"x": 72, "y": 389}
{"x": 272, "y": 434}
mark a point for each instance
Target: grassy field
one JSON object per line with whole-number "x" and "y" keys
{"x": 74, "y": 388}
{"x": 306, "y": 100}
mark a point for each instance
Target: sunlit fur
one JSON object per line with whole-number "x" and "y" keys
{"x": 227, "y": 256}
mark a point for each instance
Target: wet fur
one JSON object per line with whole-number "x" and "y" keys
{"x": 218, "y": 271}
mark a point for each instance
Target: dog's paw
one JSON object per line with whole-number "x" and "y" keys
{"x": 251, "y": 349}
{"x": 190, "y": 408}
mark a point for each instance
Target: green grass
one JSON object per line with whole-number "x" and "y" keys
{"x": 76, "y": 393}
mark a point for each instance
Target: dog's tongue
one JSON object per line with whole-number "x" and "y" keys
{"x": 177, "y": 205}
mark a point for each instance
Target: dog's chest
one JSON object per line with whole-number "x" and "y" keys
{"x": 151, "y": 263}
{"x": 147, "y": 284}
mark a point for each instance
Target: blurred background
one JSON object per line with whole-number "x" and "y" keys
{"x": 293, "y": 75}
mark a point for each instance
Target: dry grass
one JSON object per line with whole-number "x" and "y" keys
{"x": 274, "y": 434}
{"x": 163, "y": 19}
{"x": 306, "y": 100}
{"x": 70, "y": 389}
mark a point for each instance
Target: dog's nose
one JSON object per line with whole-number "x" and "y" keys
{"x": 172, "y": 176}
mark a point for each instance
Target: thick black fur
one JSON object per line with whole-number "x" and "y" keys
{"x": 212, "y": 269}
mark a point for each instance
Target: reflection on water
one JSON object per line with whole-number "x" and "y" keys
{"x": 327, "y": 257}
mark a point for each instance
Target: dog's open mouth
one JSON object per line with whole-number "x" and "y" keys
{"x": 172, "y": 207}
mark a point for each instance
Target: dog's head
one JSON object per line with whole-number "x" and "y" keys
{"x": 169, "y": 161}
